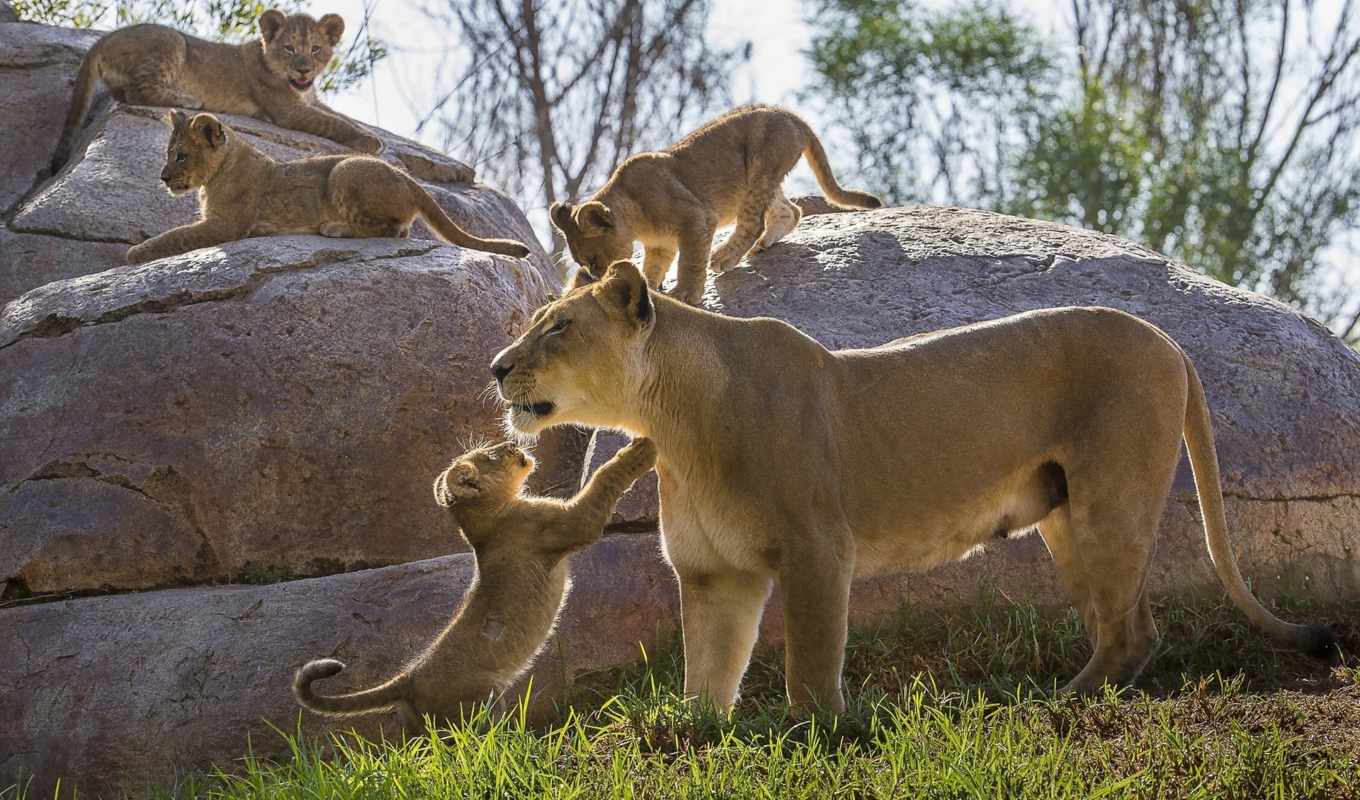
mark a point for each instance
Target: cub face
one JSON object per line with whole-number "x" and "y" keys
{"x": 297, "y": 48}
{"x": 196, "y": 149}
{"x": 579, "y": 354}
{"x": 495, "y": 471}
{"x": 595, "y": 236}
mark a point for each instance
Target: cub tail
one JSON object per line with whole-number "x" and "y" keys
{"x": 821, "y": 169}
{"x": 86, "y": 79}
{"x": 449, "y": 231}
{"x": 378, "y": 698}
{"x": 1315, "y": 640}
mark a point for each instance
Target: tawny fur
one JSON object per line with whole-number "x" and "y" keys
{"x": 521, "y": 545}
{"x": 673, "y": 201}
{"x": 244, "y": 192}
{"x": 781, "y": 460}
{"x": 272, "y": 77}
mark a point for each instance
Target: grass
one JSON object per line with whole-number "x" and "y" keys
{"x": 943, "y": 705}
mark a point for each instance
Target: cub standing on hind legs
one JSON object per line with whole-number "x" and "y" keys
{"x": 243, "y": 192}
{"x": 271, "y": 78}
{"x": 730, "y": 170}
{"x": 521, "y": 545}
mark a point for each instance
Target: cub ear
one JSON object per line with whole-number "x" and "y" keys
{"x": 210, "y": 128}
{"x": 560, "y": 214}
{"x": 333, "y": 25}
{"x": 594, "y": 218}
{"x": 625, "y": 288}
{"x": 176, "y": 118}
{"x": 581, "y": 277}
{"x": 456, "y": 483}
{"x": 270, "y": 23}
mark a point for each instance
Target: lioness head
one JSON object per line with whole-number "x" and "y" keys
{"x": 487, "y": 473}
{"x": 195, "y": 152}
{"x": 596, "y": 236}
{"x": 580, "y": 355}
{"x": 297, "y": 48}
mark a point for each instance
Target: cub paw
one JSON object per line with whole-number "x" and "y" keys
{"x": 137, "y": 254}
{"x": 367, "y": 143}
{"x": 641, "y": 452}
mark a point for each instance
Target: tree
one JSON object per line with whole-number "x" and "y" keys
{"x": 557, "y": 94}
{"x": 1222, "y": 132}
{"x": 218, "y": 20}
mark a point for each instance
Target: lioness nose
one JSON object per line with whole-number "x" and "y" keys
{"x": 500, "y": 370}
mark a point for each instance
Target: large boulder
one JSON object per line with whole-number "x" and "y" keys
{"x": 110, "y": 196}
{"x": 268, "y": 408}
{"x": 118, "y": 693}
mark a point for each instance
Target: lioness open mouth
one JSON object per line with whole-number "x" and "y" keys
{"x": 541, "y": 409}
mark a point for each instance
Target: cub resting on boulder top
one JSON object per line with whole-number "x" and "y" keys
{"x": 521, "y": 545}
{"x": 781, "y": 460}
{"x": 729, "y": 170}
{"x": 271, "y": 78}
{"x": 244, "y": 192}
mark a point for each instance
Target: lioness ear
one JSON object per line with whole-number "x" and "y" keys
{"x": 176, "y": 118}
{"x": 333, "y": 25}
{"x": 270, "y": 23}
{"x": 210, "y": 128}
{"x": 594, "y": 218}
{"x": 581, "y": 277}
{"x": 625, "y": 287}
{"x": 560, "y": 214}
{"x": 456, "y": 483}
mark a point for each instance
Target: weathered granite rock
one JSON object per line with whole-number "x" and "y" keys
{"x": 110, "y": 193}
{"x": 120, "y": 692}
{"x": 277, "y": 405}
{"x": 7, "y": 12}
{"x": 1284, "y": 392}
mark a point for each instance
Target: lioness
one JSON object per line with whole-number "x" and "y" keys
{"x": 244, "y": 192}
{"x": 521, "y": 544}
{"x": 781, "y": 460}
{"x": 271, "y": 78}
{"x": 729, "y": 170}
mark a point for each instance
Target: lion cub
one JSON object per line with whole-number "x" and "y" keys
{"x": 521, "y": 545}
{"x": 271, "y": 78}
{"x": 243, "y": 192}
{"x": 730, "y": 170}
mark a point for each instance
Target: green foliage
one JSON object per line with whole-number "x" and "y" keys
{"x": 1222, "y": 133}
{"x": 218, "y": 20}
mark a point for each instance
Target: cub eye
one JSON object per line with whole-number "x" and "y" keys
{"x": 180, "y": 158}
{"x": 288, "y": 48}
{"x": 316, "y": 51}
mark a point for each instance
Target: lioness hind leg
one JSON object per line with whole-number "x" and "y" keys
{"x": 1056, "y": 530}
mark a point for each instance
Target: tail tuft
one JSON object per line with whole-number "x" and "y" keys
{"x": 319, "y": 669}
{"x": 1318, "y": 641}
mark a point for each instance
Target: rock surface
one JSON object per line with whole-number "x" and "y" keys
{"x": 126, "y": 691}
{"x": 109, "y": 195}
{"x": 271, "y": 406}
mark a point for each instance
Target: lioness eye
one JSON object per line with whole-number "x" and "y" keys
{"x": 558, "y": 327}
{"x": 493, "y": 458}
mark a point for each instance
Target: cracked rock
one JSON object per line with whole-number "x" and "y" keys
{"x": 274, "y": 406}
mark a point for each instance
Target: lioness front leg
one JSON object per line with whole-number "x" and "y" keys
{"x": 180, "y": 240}
{"x": 815, "y": 585}
{"x": 720, "y": 619}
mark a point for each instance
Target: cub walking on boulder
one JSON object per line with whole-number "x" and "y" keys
{"x": 243, "y": 192}
{"x": 521, "y": 544}
{"x": 729, "y": 170}
{"x": 271, "y": 78}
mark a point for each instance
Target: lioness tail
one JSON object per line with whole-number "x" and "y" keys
{"x": 375, "y": 699}
{"x": 449, "y": 231}
{"x": 1315, "y": 640}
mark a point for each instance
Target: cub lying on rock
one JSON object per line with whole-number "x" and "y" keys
{"x": 271, "y": 78}
{"x": 244, "y": 192}
{"x": 729, "y": 170}
{"x": 521, "y": 544}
